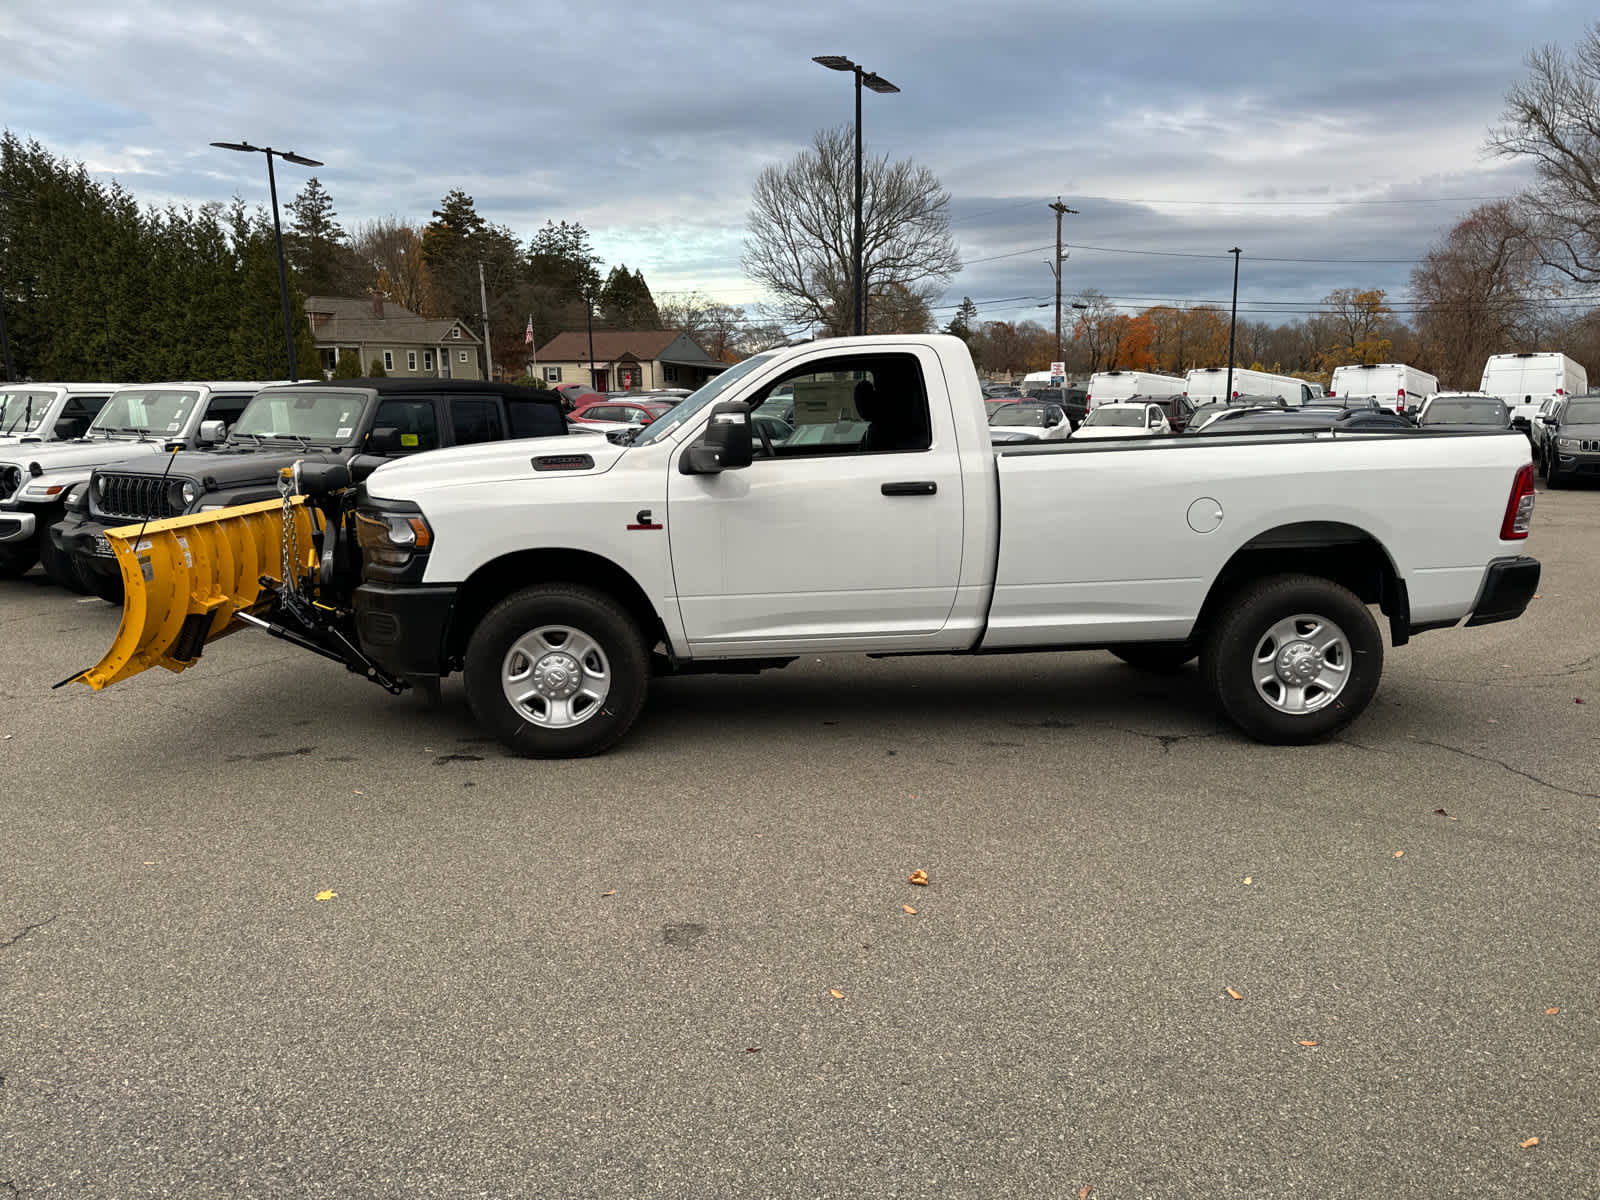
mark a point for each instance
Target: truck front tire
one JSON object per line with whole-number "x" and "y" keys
{"x": 1295, "y": 659}
{"x": 557, "y": 671}
{"x": 59, "y": 565}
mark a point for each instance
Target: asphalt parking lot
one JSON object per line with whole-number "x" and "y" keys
{"x": 1152, "y": 959}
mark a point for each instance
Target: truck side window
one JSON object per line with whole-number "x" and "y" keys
{"x": 225, "y": 408}
{"x": 475, "y": 420}
{"x": 853, "y": 404}
{"x": 415, "y": 419}
{"x": 535, "y": 418}
{"x": 83, "y": 408}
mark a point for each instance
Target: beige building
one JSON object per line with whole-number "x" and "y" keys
{"x": 408, "y": 346}
{"x": 626, "y": 359}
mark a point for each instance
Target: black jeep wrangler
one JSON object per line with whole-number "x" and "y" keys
{"x": 362, "y": 422}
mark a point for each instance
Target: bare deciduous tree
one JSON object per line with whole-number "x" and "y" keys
{"x": 392, "y": 249}
{"x": 1553, "y": 117}
{"x": 1474, "y": 293}
{"x": 802, "y": 227}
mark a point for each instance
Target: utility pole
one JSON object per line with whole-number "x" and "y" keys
{"x": 1233, "y": 318}
{"x": 1060, "y": 210}
{"x": 488, "y": 346}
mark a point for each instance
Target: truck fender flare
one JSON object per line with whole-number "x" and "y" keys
{"x": 1335, "y": 550}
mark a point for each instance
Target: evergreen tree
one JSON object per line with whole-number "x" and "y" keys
{"x": 965, "y": 323}
{"x": 376, "y": 371}
{"x": 625, "y": 301}
{"x": 348, "y": 366}
{"x": 316, "y": 247}
{"x": 563, "y": 276}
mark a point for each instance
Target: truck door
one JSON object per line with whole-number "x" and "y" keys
{"x": 849, "y": 528}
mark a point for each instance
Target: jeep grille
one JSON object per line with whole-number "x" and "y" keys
{"x": 141, "y": 497}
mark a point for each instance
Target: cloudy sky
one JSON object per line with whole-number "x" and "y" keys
{"x": 1333, "y": 143}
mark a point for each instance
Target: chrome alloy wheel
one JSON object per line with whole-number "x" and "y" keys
{"x": 556, "y": 677}
{"x": 1301, "y": 664}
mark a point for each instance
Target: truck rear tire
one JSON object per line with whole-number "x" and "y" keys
{"x": 557, "y": 671}
{"x": 1295, "y": 659}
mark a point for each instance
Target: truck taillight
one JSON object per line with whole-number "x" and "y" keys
{"x": 1561, "y": 391}
{"x": 1332, "y": 393}
{"x": 1400, "y": 400}
{"x": 1088, "y": 402}
{"x": 1519, "y": 509}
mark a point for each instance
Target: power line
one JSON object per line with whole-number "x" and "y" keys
{"x": 1253, "y": 257}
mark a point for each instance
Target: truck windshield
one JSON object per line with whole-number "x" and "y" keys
{"x": 145, "y": 410}
{"x": 1466, "y": 412}
{"x": 1116, "y": 416}
{"x": 21, "y": 412}
{"x": 708, "y": 394}
{"x": 1032, "y": 415}
{"x": 1585, "y": 412}
{"x": 312, "y": 416}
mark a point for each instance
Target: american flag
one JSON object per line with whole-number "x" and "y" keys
{"x": 527, "y": 338}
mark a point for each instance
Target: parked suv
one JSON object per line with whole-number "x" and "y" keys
{"x": 139, "y": 419}
{"x": 49, "y": 412}
{"x": 318, "y": 422}
{"x": 1571, "y": 439}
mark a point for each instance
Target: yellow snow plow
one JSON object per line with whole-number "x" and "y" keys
{"x": 188, "y": 581}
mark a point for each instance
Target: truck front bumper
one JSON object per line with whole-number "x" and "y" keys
{"x": 402, "y": 627}
{"x": 85, "y": 539}
{"x": 1508, "y": 585}
{"x": 17, "y": 525}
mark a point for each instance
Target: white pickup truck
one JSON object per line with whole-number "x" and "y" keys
{"x": 558, "y": 577}
{"x": 549, "y": 575}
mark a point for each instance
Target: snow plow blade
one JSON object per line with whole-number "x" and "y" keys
{"x": 186, "y": 580}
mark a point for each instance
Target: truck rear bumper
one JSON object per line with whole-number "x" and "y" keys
{"x": 1508, "y": 585}
{"x": 402, "y": 627}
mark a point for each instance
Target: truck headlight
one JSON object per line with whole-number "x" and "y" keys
{"x": 392, "y": 539}
{"x": 190, "y": 493}
{"x": 1567, "y": 443}
{"x": 39, "y": 490}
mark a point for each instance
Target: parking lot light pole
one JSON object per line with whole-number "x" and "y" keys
{"x": 1233, "y": 321}
{"x": 838, "y": 62}
{"x": 277, "y": 232}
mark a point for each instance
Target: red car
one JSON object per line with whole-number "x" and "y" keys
{"x": 603, "y": 408}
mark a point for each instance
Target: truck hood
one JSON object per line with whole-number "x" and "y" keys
{"x": 225, "y": 469}
{"x": 555, "y": 457}
{"x": 1584, "y": 431}
{"x": 56, "y": 456}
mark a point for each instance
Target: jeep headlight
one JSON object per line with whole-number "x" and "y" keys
{"x": 1567, "y": 443}
{"x": 392, "y": 539}
{"x": 190, "y": 493}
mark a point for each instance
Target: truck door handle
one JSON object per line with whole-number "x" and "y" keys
{"x": 910, "y": 487}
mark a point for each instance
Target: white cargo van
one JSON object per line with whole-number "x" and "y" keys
{"x": 1209, "y": 385}
{"x": 1526, "y": 381}
{"x": 1396, "y": 386}
{"x": 1105, "y": 387}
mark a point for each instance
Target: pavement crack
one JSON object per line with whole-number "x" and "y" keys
{"x": 1503, "y": 764}
{"x": 1168, "y": 740}
{"x": 26, "y": 930}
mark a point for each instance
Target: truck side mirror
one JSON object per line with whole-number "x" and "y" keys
{"x": 212, "y": 432}
{"x": 68, "y": 428}
{"x": 1547, "y": 419}
{"x": 385, "y": 439}
{"x": 725, "y": 445}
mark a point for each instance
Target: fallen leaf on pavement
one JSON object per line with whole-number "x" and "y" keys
{"x": 1550, "y": 1012}
{"x": 909, "y": 909}
{"x": 1234, "y": 994}
{"x": 1248, "y": 881}
{"x": 836, "y": 993}
{"x": 1529, "y": 1144}
{"x": 1577, "y": 699}
{"x": 327, "y": 895}
{"x": 1083, "y": 1192}
{"x": 1311, "y": 1043}
{"x": 752, "y": 1049}
{"x": 612, "y": 892}
{"x": 918, "y": 877}
{"x": 1399, "y": 853}
{"x": 1439, "y": 812}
